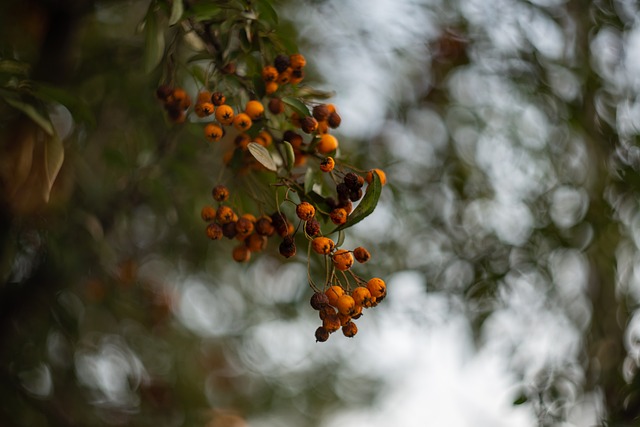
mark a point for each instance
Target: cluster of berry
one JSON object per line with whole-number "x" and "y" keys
{"x": 283, "y": 138}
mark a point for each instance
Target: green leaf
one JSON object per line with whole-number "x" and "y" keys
{"x": 31, "y": 111}
{"x": 204, "y": 11}
{"x": 267, "y": 13}
{"x": 54, "y": 156}
{"x": 340, "y": 239}
{"x": 177, "y": 8}
{"x": 297, "y": 106}
{"x": 9, "y": 66}
{"x": 308, "y": 180}
{"x": 262, "y": 155}
{"x": 154, "y": 43}
{"x": 366, "y": 205}
{"x": 291, "y": 156}
{"x": 520, "y": 400}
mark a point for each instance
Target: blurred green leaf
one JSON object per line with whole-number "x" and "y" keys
{"x": 366, "y": 205}
{"x": 40, "y": 118}
{"x": 262, "y": 155}
{"x": 203, "y": 11}
{"x": 266, "y": 13}
{"x": 297, "y": 105}
{"x": 177, "y": 8}
{"x": 154, "y": 42}
{"x": 291, "y": 157}
{"x": 9, "y": 66}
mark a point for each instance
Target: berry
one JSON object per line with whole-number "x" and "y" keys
{"x": 242, "y": 141}
{"x": 305, "y": 211}
{"x": 276, "y": 106}
{"x": 163, "y": 92}
{"x": 244, "y": 226}
{"x": 334, "y": 120}
{"x": 327, "y": 164}
{"x": 312, "y": 227}
{"x": 204, "y": 109}
{"x": 322, "y": 245}
{"x": 218, "y": 98}
{"x": 377, "y": 287}
{"x": 342, "y": 259}
{"x": 333, "y": 293}
{"x": 214, "y": 231}
{"x": 264, "y": 226}
{"x": 351, "y": 181}
{"x": 287, "y": 247}
{"x": 224, "y": 114}
{"x": 224, "y": 215}
{"x": 264, "y": 138}
{"x": 327, "y": 144}
{"x": 284, "y": 77}
{"x": 213, "y": 132}
{"x": 242, "y": 122}
{"x": 269, "y": 74}
{"x": 229, "y": 230}
{"x": 208, "y": 213}
{"x": 349, "y": 329}
{"x": 346, "y": 305}
{"x": 381, "y": 175}
{"x": 297, "y": 61}
{"x": 321, "y": 112}
{"x": 361, "y": 254}
{"x": 319, "y": 300}
{"x": 256, "y": 242}
{"x": 241, "y": 253}
{"x": 331, "y": 322}
{"x": 362, "y": 297}
{"x": 295, "y": 139}
{"x": 271, "y": 87}
{"x": 338, "y": 216}
{"x": 322, "y": 334}
{"x": 220, "y": 193}
{"x": 308, "y": 124}
{"x": 254, "y": 109}
{"x": 281, "y": 63}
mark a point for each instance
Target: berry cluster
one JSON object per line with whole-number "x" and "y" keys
{"x": 291, "y": 140}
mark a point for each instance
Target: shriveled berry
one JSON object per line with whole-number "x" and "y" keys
{"x": 280, "y": 223}
{"x": 355, "y": 195}
{"x": 264, "y": 226}
{"x": 241, "y": 253}
{"x": 334, "y": 120}
{"x": 342, "y": 259}
{"x": 321, "y": 112}
{"x": 327, "y": 164}
{"x": 322, "y": 245}
{"x": 218, "y": 98}
{"x": 214, "y": 231}
{"x": 305, "y": 211}
{"x": 229, "y": 230}
{"x": 351, "y": 181}
{"x": 225, "y": 114}
{"x": 331, "y": 322}
{"x": 208, "y": 213}
{"x": 361, "y": 254}
{"x": 308, "y": 124}
{"x": 322, "y": 334}
{"x": 319, "y": 300}
{"x": 312, "y": 227}
{"x": 377, "y": 287}
{"x": 333, "y": 293}
{"x": 343, "y": 192}
{"x": 282, "y": 62}
{"x": 338, "y": 216}
{"x": 220, "y": 193}
{"x": 163, "y": 92}
{"x": 295, "y": 139}
{"x": 287, "y": 247}
{"x": 276, "y": 106}
{"x": 325, "y": 311}
{"x": 350, "y": 330}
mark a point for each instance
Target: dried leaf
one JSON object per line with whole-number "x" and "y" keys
{"x": 262, "y": 155}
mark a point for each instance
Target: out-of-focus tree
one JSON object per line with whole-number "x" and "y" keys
{"x": 510, "y": 145}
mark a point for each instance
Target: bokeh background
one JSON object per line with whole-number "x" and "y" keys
{"x": 508, "y": 233}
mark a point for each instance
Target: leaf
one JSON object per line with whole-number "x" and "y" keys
{"x": 177, "y": 8}
{"x": 267, "y": 13}
{"x": 32, "y": 112}
{"x": 9, "y": 66}
{"x": 204, "y": 11}
{"x": 291, "y": 156}
{"x": 340, "y": 239}
{"x": 308, "y": 180}
{"x": 297, "y": 105}
{"x": 77, "y": 106}
{"x": 262, "y": 155}
{"x": 154, "y": 43}
{"x": 366, "y": 205}
{"x": 53, "y": 159}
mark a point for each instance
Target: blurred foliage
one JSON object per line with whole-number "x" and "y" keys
{"x": 520, "y": 179}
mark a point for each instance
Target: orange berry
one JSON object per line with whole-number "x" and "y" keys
{"x": 362, "y": 297}
{"x": 381, "y": 175}
{"x": 331, "y": 322}
{"x": 284, "y": 77}
{"x": 322, "y": 245}
{"x": 241, "y": 253}
{"x": 254, "y": 109}
{"x": 323, "y": 127}
{"x": 242, "y": 122}
{"x": 297, "y": 61}
{"x": 346, "y": 305}
{"x": 213, "y": 132}
{"x": 305, "y": 211}
{"x": 349, "y": 330}
{"x": 269, "y": 73}
{"x": 203, "y": 96}
{"x": 271, "y": 87}
{"x": 327, "y": 144}
{"x": 224, "y": 215}
{"x": 204, "y": 109}
{"x": 220, "y": 193}
{"x": 244, "y": 226}
{"x": 218, "y": 98}
{"x": 208, "y": 213}
{"x": 214, "y": 231}
{"x": 256, "y": 242}
{"x": 377, "y": 287}
{"x": 264, "y": 138}
{"x": 242, "y": 141}
{"x": 333, "y": 293}
{"x": 342, "y": 259}
{"x": 181, "y": 98}
{"x": 264, "y": 226}
{"x": 327, "y": 164}
{"x": 338, "y": 216}
{"x": 224, "y": 114}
